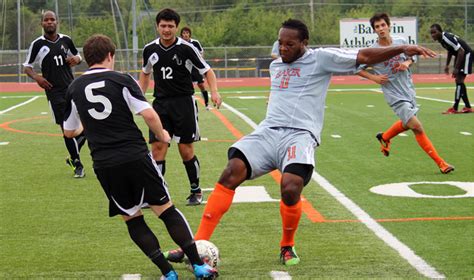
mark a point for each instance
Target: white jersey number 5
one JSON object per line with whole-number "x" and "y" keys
{"x": 98, "y": 99}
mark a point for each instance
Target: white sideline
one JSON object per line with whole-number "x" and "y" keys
{"x": 403, "y": 250}
{"x": 19, "y": 105}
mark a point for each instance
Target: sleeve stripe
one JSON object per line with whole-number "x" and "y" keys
{"x": 451, "y": 43}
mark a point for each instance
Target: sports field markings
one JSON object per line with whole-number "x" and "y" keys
{"x": 465, "y": 133}
{"x": 434, "y": 99}
{"x": 336, "y": 136}
{"x": 280, "y": 275}
{"x": 403, "y": 250}
{"x": 370, "y": 106}
{"x": 131, "y": 276}
{"x": 4, "y": 143}
{"x": 403, "y": 134}
{"x": 19, "y": 105}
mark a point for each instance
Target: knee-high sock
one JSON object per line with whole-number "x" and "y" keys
{"x": 464, "y": 97}
{"x": 180, "y": 232}
{"x": 393, "y": 131}
{"x": 205, "y": 95}
{"x": 81, "y": 140}
{"x": 72, "y": 147}
{"x": 457, "y": 96}
{"x": 290, "y": 218}
{"x": 148, "y": 243}
{"x": 218, "y": 203}
{"x": 425, "y": 143}
{"x": 162, "y": 166}
{"x": 193, "y": 169}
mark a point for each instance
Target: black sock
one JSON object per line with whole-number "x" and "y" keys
{"x": 457, "y": 96}
{"x": 81, "y": 140}
{"x": 205, "y": 95}
{"x": 72, "y": 148}
{"x": 180, "y": 232}
{"x": 193, "y": 170}
{"x": 464, "y": 96}
{"x": 162, "y": 166}
{"x": 148, "y": 243}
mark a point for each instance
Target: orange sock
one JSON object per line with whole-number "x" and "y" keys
{"x": 218, "y": 203}
{"x": 393, "y": 131}
{"x": 428, "y": 147}
{"x": 290, "y": 217}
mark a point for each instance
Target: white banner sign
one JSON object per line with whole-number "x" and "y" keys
{"x": 357, "y": 33}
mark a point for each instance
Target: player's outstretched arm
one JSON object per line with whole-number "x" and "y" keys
{"x": 376, "y": 55}
{"x": 212, "y": 81}
{"x": 154, "y": 123}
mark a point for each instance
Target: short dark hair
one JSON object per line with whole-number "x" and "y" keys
{"x": 186, "y": 29}
{"x": 437, "y": 27}
{"x": 379, "y": 16}
{"x": 48, "y": 11}
{"x": 168, "y": 14}
{"x": 298, "y": 25}
{"x": 96, "y": 48}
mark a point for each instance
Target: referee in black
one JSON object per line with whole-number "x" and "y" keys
{"x": 171, "y": 59}
{"x": 463, "y": 54}
{"x": 102, "y": 102}
{"x": 56, "y": 54}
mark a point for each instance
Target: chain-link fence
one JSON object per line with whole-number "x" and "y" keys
{"x": 227, "y": 62}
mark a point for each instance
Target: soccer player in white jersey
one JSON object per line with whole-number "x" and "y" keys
{"x": 399, "y": 92}
{"x": 286, "y": 139}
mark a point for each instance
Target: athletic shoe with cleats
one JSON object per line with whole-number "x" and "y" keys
{"x": 450, "y": 111}
{"x": 78, "y": 169}
{"x": 445, "y": 168}
{"x": 172, "y": 275}
{"x": 288, "y": 256}
{"x": 384, "y": 145}
{"x": 194, "y": 199}
{"x": 176, "y": 256}
{"x": 205, "y": 272}
{"x": 466, "y": 110}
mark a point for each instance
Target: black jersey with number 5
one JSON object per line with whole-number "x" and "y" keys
{"x": 172, "y": 67}
{"x": 51, "y": 57}
{"x": 103, "y": 100}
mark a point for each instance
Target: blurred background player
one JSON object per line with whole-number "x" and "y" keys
{"x": 399, "y": 92}
{"x": 171, "y": 59}
{"x": 462, "y": 52}
{"x": 275, "y": 52}
{"x": 196, "y": 76}
{"x": 286, "y": 139}
{"x": 103, "y": 101}
{"x": 56, "y": 54}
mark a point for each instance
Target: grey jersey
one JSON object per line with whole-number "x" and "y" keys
{"x": 299, "y": 89}
{"x": 400, "y": 84}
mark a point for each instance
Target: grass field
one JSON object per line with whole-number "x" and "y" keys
{"x": 55, "y": 226}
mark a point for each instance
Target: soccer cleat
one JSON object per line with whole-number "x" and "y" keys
{"x": 450, "y": 111}
{"x": 445, "y": 168}
{"x": 205, "y": 272}
{"x": 194, "y": 199}
{"x": 78, "y": 169}
{"x": 172, "y": 275}
{"x": 466, "y": 110}
{"x": 208, "y": 107}
{"x": 176, "y": 256}
{"x": 384, "y": 145}
{"x": 288, "y": 256}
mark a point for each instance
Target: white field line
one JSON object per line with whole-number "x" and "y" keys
{"x": 403, "y": 250}
{"x": 434, "y": 99}
{"x": 19, "y": 105}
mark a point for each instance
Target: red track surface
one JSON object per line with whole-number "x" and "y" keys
{"x": 241, "y": 82}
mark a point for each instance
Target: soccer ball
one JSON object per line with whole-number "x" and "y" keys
{"x": 208, "y": 253}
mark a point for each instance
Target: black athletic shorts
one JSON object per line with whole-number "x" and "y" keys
{"x": 467, "y": 65}
{"x": 196, "y": 76}
{"x": 131, "y": 185}
{"x": 179, "y": 117}
{"x": 57, "y": 103}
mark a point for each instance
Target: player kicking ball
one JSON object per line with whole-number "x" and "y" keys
{"x": 103, "y": 100}
{"x": 288, "y": 136}
{"x": 399, "y": 92}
